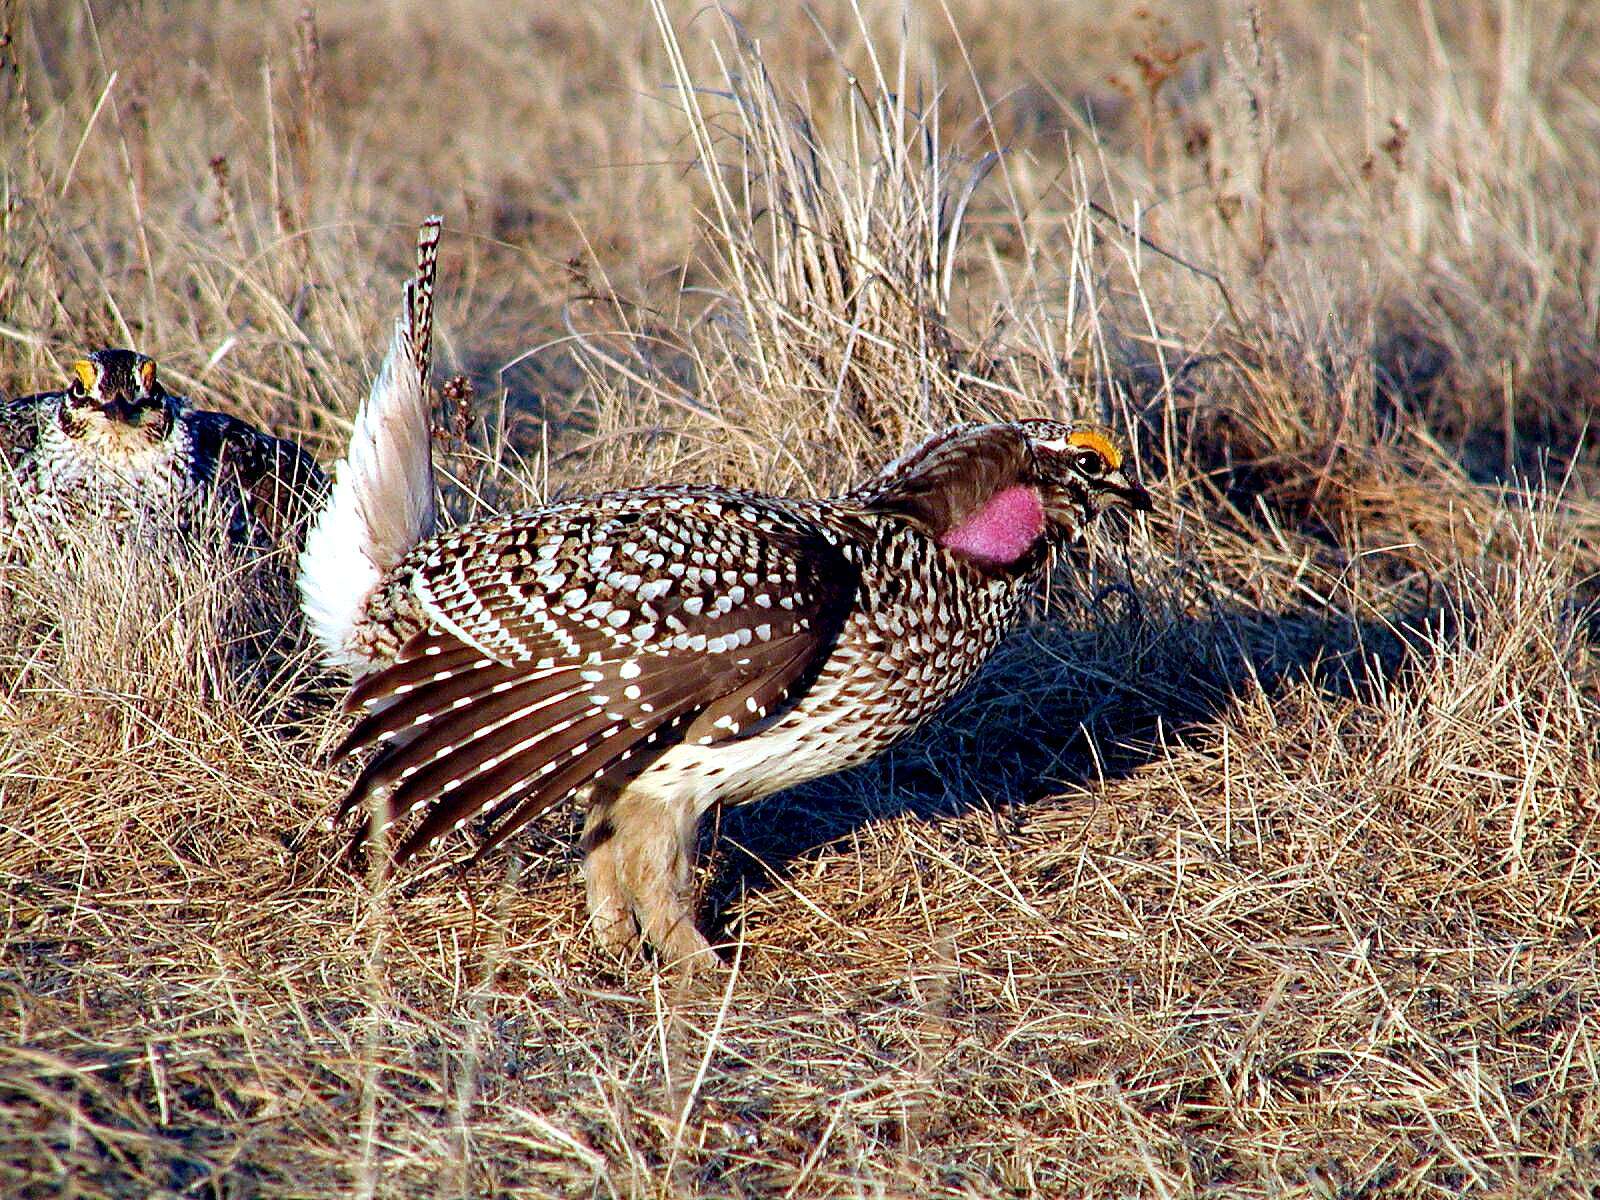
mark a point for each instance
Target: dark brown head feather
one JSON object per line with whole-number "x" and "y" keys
{"x": 948, "y": 478}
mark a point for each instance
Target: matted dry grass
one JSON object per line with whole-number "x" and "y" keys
{"x": 1264, "y": 862}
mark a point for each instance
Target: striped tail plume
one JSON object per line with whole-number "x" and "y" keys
{"x": 382, "y": 500}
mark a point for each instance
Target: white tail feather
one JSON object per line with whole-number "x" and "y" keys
{"x": 382, "y": 500}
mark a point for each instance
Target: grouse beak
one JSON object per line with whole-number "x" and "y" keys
{"x": 120, "y": 408}
{"x": 1136, "y": 498}
{"x": 1123, "y": 488}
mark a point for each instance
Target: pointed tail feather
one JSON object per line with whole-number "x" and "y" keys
{"x": 382, "y": 500}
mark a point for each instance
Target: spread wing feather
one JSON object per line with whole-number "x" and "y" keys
{"x": 452, "y": 746}
{"x": 548, "y": 770}
{"x": 425, "y": 656}
{"x": 581, "y": 641}
{"x": 530, "y": 799}
{"x": 514, "y": 809}
{"x": 277, "y": 484}
{"x": 418, "y": 705}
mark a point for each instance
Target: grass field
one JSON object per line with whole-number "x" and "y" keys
{"x": 1265, "y": 861}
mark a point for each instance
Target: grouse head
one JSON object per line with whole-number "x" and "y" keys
{"x": 1000, "y": 494}
{"x": 1080, "y": 471}
{"x": 115, "y": 402}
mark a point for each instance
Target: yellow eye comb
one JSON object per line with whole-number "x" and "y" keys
{"x": 1091, "y": 439}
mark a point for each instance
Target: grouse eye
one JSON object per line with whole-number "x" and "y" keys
{"x": 1091, "y": 464}
{"x": 83, "y": 377}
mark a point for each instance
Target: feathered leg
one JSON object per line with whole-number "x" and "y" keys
{"x": 639, "y": 874}
{"x": 610, "y": 910}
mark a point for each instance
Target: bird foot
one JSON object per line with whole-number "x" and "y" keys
{"x": 639, "y": 882}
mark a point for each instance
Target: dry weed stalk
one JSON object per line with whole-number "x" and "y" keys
{"x": 834, "y": 252}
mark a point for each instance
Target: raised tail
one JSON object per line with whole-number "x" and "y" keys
{"x": 382, "y": 500}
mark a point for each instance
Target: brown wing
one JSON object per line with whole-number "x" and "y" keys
{"x": 584, "y": 640}
{"x": 19, "y": 423}
{"x": 279, "y": 484}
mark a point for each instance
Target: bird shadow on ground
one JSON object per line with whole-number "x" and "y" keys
{"x": 1060, "y": 707}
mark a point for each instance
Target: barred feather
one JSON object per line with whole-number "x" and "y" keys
{"x": 382, "y": 501}
{"x": 567, "y": 678}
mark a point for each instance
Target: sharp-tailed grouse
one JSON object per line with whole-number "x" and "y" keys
{"x": 667, "y": 649}
{"x": 114, "y": 444}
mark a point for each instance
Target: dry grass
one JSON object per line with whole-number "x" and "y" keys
{"x": 1265, "y": 863}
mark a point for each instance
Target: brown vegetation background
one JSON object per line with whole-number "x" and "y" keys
{"x": 1264, "y": 862}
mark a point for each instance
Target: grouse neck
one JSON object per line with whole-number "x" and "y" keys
{"x": 1003, "y": 530}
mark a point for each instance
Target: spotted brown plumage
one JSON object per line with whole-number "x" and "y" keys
{"x": 636, "y": 617}
{"x": 114, "y": 444}
{"x": 668, "y": 649}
